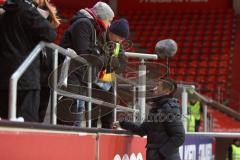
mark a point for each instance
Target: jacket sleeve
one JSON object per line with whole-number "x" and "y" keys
{"x": 81, "y": 34}
{"x": 174, "y": 129}
{"x": 140, "y": 130}
{"x": 38, "y": 26}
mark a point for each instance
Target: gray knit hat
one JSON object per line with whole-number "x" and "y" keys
{"x": 103, "y": 11}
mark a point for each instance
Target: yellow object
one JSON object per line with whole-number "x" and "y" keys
{"x": 107, "y": 77}
{"x": 191, "y": 123}
{"x": 116, "y": 50}
{"x": 235, "y": 152}
{"x": 195, "y": 110}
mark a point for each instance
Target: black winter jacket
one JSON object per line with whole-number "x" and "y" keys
{"x": 80, "y": 36}
{"x": 21, "y": 29}
{"x": 84, "y": 37}
{"x": 164, "y": 130}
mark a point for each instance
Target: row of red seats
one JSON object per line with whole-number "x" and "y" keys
{"x": 204, "y": 43}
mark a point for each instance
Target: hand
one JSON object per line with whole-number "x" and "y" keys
{"x": 115, "y": 125}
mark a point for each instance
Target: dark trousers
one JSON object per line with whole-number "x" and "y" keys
{"x": 197, "y": 125}
{"x": 44, "y": 98}
{"x": 27, "y": 104}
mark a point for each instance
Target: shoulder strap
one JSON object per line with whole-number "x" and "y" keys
{"x": 94, "y": 35}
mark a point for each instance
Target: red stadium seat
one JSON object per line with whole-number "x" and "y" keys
{"x": 203, "y": 37}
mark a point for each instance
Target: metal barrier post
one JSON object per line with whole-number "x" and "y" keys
{"x": 134, "y": 103}
{"x": 115, "y": 100}
{"x": 53, "y": 92}
{"x": 90, "y": 96}
{"x": 205, "y": 119}
{"x": 12, "y": 110}
{"x": 142, "y": 90}
{"x": 184, "y": 107}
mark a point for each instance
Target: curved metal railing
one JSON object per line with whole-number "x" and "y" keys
{"x": 57, "y": 49}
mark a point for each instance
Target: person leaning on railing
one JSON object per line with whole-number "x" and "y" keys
{"x": 23, "y": 25}
{"x": 115, "y": 62}
{"x": 83, "y": 35}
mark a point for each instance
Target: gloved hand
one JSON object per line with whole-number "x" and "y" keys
{"x": 123, "y": 123}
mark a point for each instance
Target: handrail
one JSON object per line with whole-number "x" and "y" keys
{"x": 16, "y": 76}
{"x": 67, "y": 129}
{"x": 141, "y": 55}
{"x": 215, "y": 134}
{"x": 94, "y": 100}
{"x": 218, "y": 105}
{"x": 57, "y": 49}
{"x": 23, "y": 67}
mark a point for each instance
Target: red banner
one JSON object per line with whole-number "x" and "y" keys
{"x": 75, "y": 4}
{"x": 173, "y": 4}
{"x": 19, "y": 145}
{"x": 118, "y": 147}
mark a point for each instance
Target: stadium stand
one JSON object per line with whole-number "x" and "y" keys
{"x": 222, "y": 122}
{"x": 205, "y": 40}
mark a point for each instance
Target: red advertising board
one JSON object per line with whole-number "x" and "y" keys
{"x": 118, "y": 147}
{"x": 173, "y": 4}
{"x": 19, "y": 145}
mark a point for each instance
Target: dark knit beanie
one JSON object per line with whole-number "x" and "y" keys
{"x": 120, "y": 27}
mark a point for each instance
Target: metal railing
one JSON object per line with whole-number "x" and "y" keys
{"x": 56, "y": 91}
{"x": 23, "y": 67}
{"x": 208, "y": 103}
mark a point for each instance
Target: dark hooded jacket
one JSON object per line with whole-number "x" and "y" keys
{"x": 164, "y": 130}
{"x": 21, "y": 29}
{"x": 85, "y": 36}
{"x": 80, "y": 36}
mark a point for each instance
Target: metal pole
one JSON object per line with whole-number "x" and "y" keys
{"x": 95, "y": 101}
{"x": 215, "y": 134}
{"x": 134, "y": 103}
{"x": 205, "y": 119}
{"x": 115, "y": 100}
{"x": 141, "y": 55}
{"x": 184, "y": 107}
{"x": 12, "y": 109}
{"x": 53, "y": 92}
{"x": 142, "y": 90}
{"x": 90, "y": 96}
